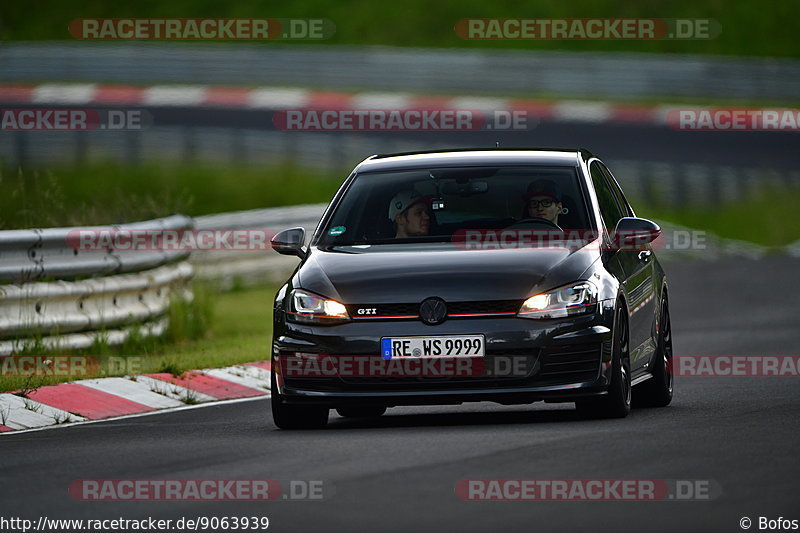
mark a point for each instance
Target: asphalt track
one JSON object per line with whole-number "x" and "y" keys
{"x": 399, "y": 473}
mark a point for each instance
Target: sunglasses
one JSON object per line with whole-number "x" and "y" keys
{"x": 544, "y": 203}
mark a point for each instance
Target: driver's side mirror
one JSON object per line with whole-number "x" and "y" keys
{"x": 290, "y": 242}
{"x": 634, "y": 233}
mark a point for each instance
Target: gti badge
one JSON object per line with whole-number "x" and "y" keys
{"x": 367, "y": 311}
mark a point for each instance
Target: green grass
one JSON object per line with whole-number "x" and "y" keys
{"x": 769, "y": 218}
{"x": 221, "y": 330}
{"x": 766, "y": 28}
{"x": 106, "y": 193}
{"x": 238, "y": 333}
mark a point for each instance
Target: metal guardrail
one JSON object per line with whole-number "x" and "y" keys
{"x": 15, "y": 257}
{"x": 110, "y": 307}
{"x": 128, "y": 290}
{"x": 568, "y": 74}
{"x": 249, "y": 267}
{"x": 92, "y": 304}
{"x": 29, "y": 255}
{"x": 86, "y": 339}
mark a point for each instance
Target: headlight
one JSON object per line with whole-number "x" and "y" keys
{"x": 314, "y": 309}
{"x": 575, "y": 299}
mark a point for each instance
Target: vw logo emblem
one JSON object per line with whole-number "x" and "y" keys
{"x": 433, "y": 311}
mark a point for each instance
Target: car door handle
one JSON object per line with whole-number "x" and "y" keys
{"x": 644, "y": 255}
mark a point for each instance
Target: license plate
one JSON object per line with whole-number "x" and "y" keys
{"x": 440, "y": 346}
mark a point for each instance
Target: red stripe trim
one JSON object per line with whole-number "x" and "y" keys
{"x": 212, "y": 386}
{"x": 633, "y": 113}
{"x": 486, "y": 314}
{"x": 225, "y": 96}
{"x": 430, "y": 102}
{"x": 118, "y": 94}
{"x": 329, "y": 100}
{"x": 87, "y": 402}
{"x": 417, "y": 316}
{"x": 384, "y": 316}
{"x": 240, "y": 97}
{"x": 537, "y": 108}
{"x": 16, "y": 93}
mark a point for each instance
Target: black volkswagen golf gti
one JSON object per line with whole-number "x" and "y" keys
{"x": 503, "y": 275}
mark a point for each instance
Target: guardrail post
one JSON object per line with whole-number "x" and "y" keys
{"x": 133, "y": 147}
{"x": 238, "y": 147}
{"x": 81, "y": 146}
{"x": 189, "y": 145}
{"x": 20, "y": 149}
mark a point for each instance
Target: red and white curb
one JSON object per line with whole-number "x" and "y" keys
{"x": 102, "y": 398}
{"x": 276, "y": 98}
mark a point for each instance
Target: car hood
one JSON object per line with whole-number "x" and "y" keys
{"x": 454, "y": 275}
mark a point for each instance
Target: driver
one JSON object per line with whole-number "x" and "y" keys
{"x": 543, "y": 200}
{"x": 410, "y": 213}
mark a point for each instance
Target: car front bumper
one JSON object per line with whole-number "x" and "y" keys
{"x": 525, "y": 361}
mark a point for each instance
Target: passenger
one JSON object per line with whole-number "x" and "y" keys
{"x": 410, "y": 213}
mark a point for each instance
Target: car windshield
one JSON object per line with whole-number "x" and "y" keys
{"x": 440, "y": 204}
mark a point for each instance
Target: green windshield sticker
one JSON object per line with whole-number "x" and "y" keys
{"x": 337, "y": 230}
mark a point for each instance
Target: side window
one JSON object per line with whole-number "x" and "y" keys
{"x": 609, "y": 209}
{"x": 621, "y": 200}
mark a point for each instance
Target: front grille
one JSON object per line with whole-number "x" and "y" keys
{"x": 491, "y": 307}
{"x": 576, "y": 363}
{"x": 411, "y": 310}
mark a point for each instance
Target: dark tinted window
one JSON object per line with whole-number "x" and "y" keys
{"x": 618, "y": 194}
{"x": 609, "y": 209}
{"x": 461, "y": 199}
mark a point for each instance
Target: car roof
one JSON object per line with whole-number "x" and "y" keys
{"x": 475, "y": 157}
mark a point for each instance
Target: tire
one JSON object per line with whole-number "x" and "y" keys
{"x": 361, "y": 411}
{"x": 287, "y": 416}
{"x": 657, "y": 391}
{"x": 617, "y": 403}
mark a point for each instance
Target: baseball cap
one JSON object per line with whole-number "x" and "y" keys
{"x": 543, "y": 188}
{"x": 405, "y": 199}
